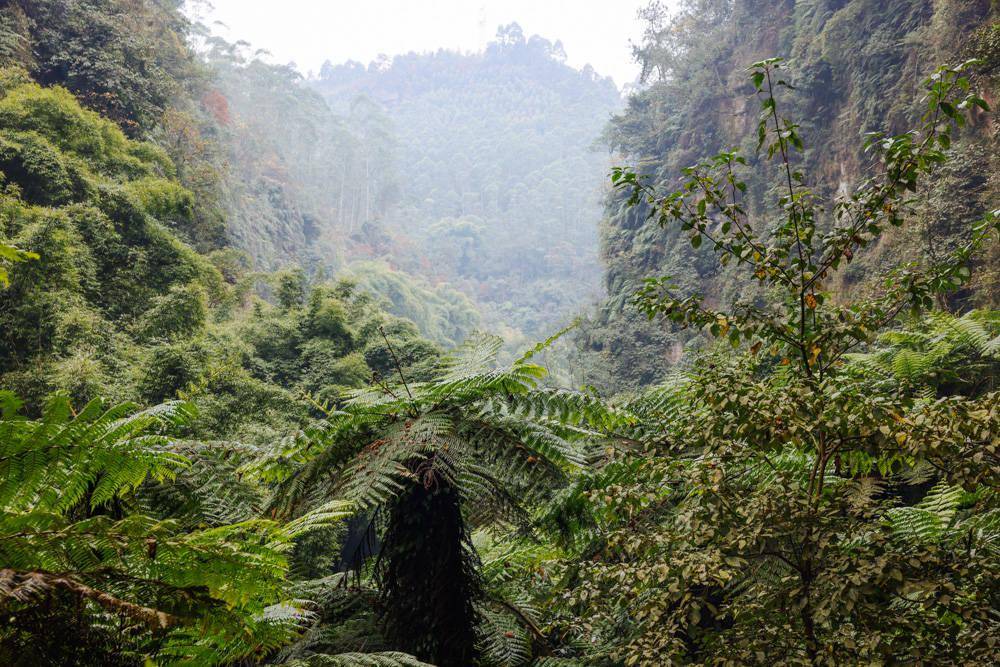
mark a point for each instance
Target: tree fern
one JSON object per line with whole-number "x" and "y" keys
{"x": 943, "y": 348}
{"x": 487, "y": 437}
{"x": 68, "y": 527}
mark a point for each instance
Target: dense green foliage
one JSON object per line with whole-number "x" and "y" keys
{"x": 123, "y": 59}
{"x": 116, "y": 304}
{"x": 77, "y": 521}
{"x": 211, "y": 452}
{"x": 774, "y": 526}
{"x": 858, "y": 67}
{"x": 81, "y": 196}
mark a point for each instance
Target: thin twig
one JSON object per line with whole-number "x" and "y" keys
{"x": 395, "y": 359}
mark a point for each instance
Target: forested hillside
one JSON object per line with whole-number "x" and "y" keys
{"x": 858, "y": 68}
{"x": 243, "y": 420}
{"x": 385, "y": 174}
{"x": 499, "y": 173}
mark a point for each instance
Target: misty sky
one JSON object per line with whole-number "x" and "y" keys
{"x": 311, "y": 31}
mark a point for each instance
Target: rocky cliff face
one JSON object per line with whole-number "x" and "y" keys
{"x": 856, "y": 67}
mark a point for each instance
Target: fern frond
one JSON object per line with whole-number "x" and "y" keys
{"x": 388, "y": 659}
{"x": 984, "y": 530}
{"x": 378, "y": 471}
{"x": 489, "y": 499}
{"x": 504, "y": 642}
{"x": 968, "y": 331}
{"x": 929, "y": 520}
{"x": 475, "y": 356}
{"x": 570, "y": 407}
{"x": 210, "y": 490}
{"x": 55, "y": 461}
{"x": 547, "y": 343}
{"x": 323, "y": 516}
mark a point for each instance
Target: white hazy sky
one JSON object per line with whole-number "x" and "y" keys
{"x": 309, "y": 32}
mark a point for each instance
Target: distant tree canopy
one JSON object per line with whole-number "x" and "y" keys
{"x": 367, "y": 167}
{"x": 502, "y": 140}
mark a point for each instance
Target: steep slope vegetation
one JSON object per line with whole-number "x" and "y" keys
{"x": 856, "y": 67}
{"x": 117, "y": 305}
{"x": 272, "y": 170}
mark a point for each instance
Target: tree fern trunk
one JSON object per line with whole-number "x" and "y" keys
{"x": 428, "y": 574}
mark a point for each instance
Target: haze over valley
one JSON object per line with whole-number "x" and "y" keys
{"x": 465, "y": 188}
